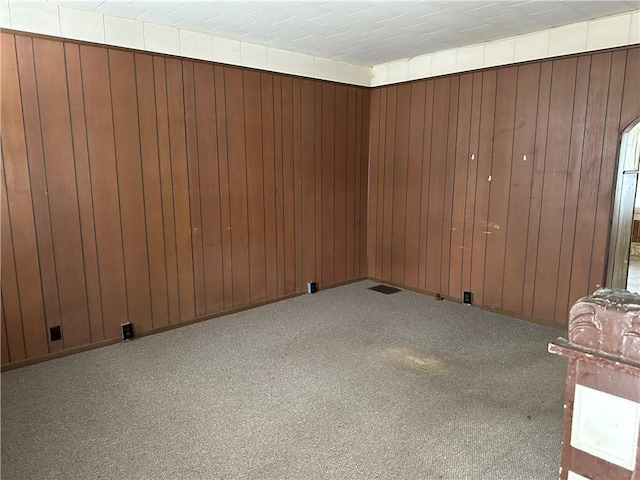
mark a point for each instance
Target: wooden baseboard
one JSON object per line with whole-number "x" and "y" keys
{"x": 164, "y": 328}
{"x": 481, "y": 307}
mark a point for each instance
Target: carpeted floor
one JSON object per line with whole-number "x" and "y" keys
{"x": 344, "y": 384}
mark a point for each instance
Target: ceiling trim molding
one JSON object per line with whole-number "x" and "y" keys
{"x": 45, "y": 18}
{"x": 61, "y": 21}
{"x": 598, "y": 34}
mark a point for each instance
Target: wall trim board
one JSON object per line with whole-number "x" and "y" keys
{"x": 68, "y": 22}
{"x": 166, "y": 328}
{"x": 460, "y": 302}
{"x": 622, "y": 30}
{"x": 47, "y": 18}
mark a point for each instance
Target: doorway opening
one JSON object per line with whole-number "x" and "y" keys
{"x": 623, "y": 269}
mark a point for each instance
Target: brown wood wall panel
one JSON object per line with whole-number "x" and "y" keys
{"x": 33, "y": 163}
{"x": 153, "y": 189}
{"x": 85, "y": 199}
{"x": 526, "y": 236}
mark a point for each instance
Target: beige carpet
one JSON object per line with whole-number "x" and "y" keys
{"x": 344, "y": 384}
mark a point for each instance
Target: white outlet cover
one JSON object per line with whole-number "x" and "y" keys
{"x": 605, "y": 426}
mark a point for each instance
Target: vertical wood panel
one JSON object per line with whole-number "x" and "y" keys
{"x": 462, "y": 167}
{"x": 399, "y": 189}
{"x": 425, "y": 181}
{"x": 437, "y": 178}
{"x": 237, "y": 185}
{"x": 32, "y": 165}
{"x": 268, "y": 152}
{"x": 288, "y": 180}
{"x": 255, "y": 184}
{"x": 166, "y": 188}
{"x": 193, "y": 168}
{"x": 151, "y": 187}
{"x": 388, "y": 177}
{"x": 500, "y": 186}
{"x": 352, "y": 179}
{"x": 317, "y": 155}
{"x": 472, "y": 182}
{"x": 21, "y": 282}
{"x": 297, "y": 192}
{"x": 225, "y": 191}
{"x": 364, "y": 102}
{"x": 210, "y": 186}
{"x": 571, "y": 193}
{"x": 374, "y": 191}
{"x": 54, "y": 112}
{"x": 85, "y": 199}
{"x": 279, "y": 152}
{"x": 554, "y": 186}
{"x": 11, "y": 312}
{"x": 129, "y": 171}
{"x": 308, "y": 208}
{"x": 104, "y": 181}
{"x": 521, "y": 175}
{"x": 180, "y": 186}
{"x": 607, "y": 170}
{"x": 414, "y": 178}
{"x": 340, "y": 183}
{"x": 537, "y": 181}
{"x": 445, "y": 257}
{"x": 485, "y": 153}
{"x": 328, "y": 182}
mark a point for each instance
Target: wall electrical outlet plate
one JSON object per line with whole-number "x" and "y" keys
{"x": 55, "y": 333}
{"x": 467, "y": 298}
{"x": 127, "y": 331}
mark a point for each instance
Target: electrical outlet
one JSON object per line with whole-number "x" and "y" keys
{"x": 312, "y": 287}
{"x": 467, "y": 298}
{"x": 127, "y": 331}
{"x": 55, "y": 333}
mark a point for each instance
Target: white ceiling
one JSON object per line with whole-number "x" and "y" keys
{"x": 361, "y": 32}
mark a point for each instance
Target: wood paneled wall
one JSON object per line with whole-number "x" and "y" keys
{"x": 157, "y": 190}
{"x": 455, "y": 205}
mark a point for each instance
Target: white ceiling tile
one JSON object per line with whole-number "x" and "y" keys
{"x": 302, "y": 64}
{"x": 608, "y": 32}
{"x": 324, "y": 68}
{"x": 443, "y": 62}
{"x": 81, "y": 25}
{"x": 253, "y": 55}
{"x": 531, "y": 47}
{"x": 279, "y": 60}
{"x": 470, "y": 58}
{"x": 196, "y": 45}
{"x": 35, "y": 17}
{"x": 499, "y": 52}
{"x": 226, "y": 51}
{"x": 398, "y": 71}
{"x": 5, "y": 18}
{"x": 123, "y": 32}
{"x": 419, "y": 67}
{"x": 344, "y": 72}
{"x": 162, "y": 39}
{"x": 568, "y": 39}
{"x": 634, "y": 35}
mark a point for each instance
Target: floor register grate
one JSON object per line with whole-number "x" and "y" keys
{"x": 386, "y": 289}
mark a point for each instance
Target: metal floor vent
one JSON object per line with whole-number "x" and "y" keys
{"x": 386, "y": 289}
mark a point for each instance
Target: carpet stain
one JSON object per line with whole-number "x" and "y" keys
{"x": 413, "y": 359}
